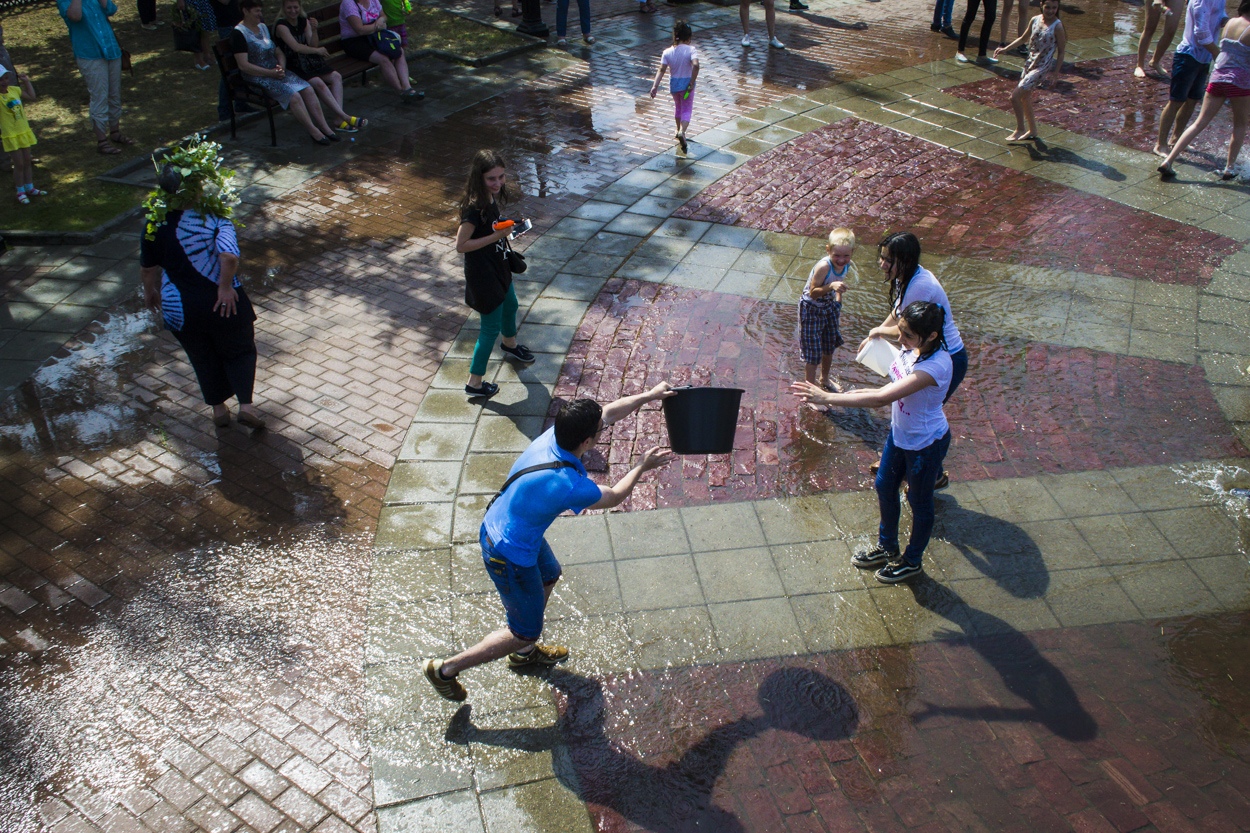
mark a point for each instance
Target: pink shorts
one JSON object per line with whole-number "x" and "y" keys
{"x": 1227, "y": 90}
{"x": 683, "y": 106}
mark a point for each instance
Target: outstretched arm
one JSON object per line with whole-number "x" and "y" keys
{"x": 626, "y": 405}
{"x": 615, "y": 494}
{"x": 867, "y": 398}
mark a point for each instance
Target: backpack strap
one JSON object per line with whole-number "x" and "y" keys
{"x": 554, "y": 464}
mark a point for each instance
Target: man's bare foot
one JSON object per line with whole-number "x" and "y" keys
{"x": 1139, "y": 73}
{"x": 831, "y": 386}
{"x": 1159, "y": 71}
{"x": 1161, "y": 150}
{"x": 820, "y": 409}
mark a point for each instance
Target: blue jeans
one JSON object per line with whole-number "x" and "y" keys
{"x": 500, "y": 320}
{"x": 942, "y": 13}
{"x": 562, "y": 16}
{"x": 920, "y": 469}
{"x": 523, "y": 590}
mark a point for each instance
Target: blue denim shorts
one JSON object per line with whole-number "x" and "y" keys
{"x": 522, "y": 589}
{"x": 1189, "y": 77}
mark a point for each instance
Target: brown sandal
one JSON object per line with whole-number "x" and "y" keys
{"x": 648, "y": 8}
{"x": 119, "y": 138}
{"x": 107, "y": 148}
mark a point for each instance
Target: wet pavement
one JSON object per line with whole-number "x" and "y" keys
{"x": 222, "y": 630}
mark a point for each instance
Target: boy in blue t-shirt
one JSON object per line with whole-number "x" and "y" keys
{"x": 517, "y": 556}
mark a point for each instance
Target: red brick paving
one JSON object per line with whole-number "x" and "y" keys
{"x": 875, "y": 179}
{"x": 980, "y": 733}
{"x": 1103, "y": 100}
{"x": 1023, "y": 410}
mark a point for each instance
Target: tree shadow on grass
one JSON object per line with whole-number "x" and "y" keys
{"x": 677, "y": 797}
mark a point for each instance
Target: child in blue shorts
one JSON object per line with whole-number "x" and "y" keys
{"x": 820, "y": 308}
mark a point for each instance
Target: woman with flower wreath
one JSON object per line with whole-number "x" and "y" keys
{"x": 189, "y": 257}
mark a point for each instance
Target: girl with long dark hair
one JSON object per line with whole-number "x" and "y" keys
{"x": 488, "y": 279}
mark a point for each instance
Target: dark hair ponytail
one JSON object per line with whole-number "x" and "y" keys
{"x": 904, "y": 249}
{"x": 924, "y": 318}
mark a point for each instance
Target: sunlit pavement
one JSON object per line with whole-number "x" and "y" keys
{"x": 223, "y": 631}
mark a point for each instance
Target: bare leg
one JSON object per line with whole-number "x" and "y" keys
{"x": 28, "y": 164}
{"x": 770, "y": 18}
{"x": 401, "y": 69}
{"x": 1026, "y": 102}
{"x": 336, "y": 87}
{"x": 1170, "y": 24}
{"x": 1017, "y": 106}
{"x": 1211, "y": 105}
{"x": 19, "y": 168}
{"x": 809, "y": 373}
{"x": 1241, "y": 115}
{"x": 744, "y": 14}
{"x": 1022, "y": 17}
{"x": 1182, "y": 118}
{"x": 1166, "y": 118}
{"x": 495, "y": 645}
{"x": 826, "y": 362}
{"x": 1147, "y": 33}
{"x": 314, "y": 110}
{"x": 388, "y": 70}
{"x": 300, "y": 112}
{"x": 327, "y": 97}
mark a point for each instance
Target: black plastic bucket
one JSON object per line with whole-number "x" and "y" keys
{"x": 702, "y": 420}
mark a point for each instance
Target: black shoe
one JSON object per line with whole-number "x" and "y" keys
{"x": 950, "y": 33}
{"x": 897, "y": 571}
{"x": 933, "y": 27}
{"x": 334, "y": 137}
{"x": 241, "y": 107}
{"x": 521, "y": 353}
{"x": 487, "y": 390}
{"x": 681, "y": 140}
{"x": 874, "y": 557}
{"x": 942, "y": 482}
{"x": 798, "y": 6}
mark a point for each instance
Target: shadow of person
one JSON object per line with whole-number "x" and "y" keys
{"x": 1039, "y": 150}
{"x": 266, "y": 473}
{"x": 834, "y": 23}
{"x": 676, "y": 797}
{"x": 1000, "y": 550}
{"x": 1024, "y": 671}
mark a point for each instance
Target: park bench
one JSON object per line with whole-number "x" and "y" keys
{"x": 328, "y": 35}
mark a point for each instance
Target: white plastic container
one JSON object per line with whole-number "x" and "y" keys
{"x": 877, "y": 356}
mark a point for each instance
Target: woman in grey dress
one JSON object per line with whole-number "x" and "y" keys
{"x": 262, "y": 65}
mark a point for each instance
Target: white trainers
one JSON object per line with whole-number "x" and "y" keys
{"x": 961, "y": 57}
{"x": 746, "y": 40}
{"x": 776, "y": 44}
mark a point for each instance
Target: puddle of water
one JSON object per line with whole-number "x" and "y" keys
{"x": 217, "y": 634}
{"x": 71, "y": 404}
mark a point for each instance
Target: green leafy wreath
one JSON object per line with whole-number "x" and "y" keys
{"x": 191, "y": 176}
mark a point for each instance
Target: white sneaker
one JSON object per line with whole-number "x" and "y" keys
{"x": 776, "y": 44}
{"x": 746, "y": 40}
{"x": 961, "y": 57}
{"x": 562, "y": 42}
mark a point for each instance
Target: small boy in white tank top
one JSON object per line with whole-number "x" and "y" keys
{"x": 820, "y": 308}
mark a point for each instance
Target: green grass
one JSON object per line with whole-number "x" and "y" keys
{"x": 164, "y": 99}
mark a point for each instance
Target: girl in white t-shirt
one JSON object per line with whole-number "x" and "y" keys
{"x": 682, "y": 60}
{"x": 918, "y": 439}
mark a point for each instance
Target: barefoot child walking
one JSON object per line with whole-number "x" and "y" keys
{"x": 820, "y": 308}
{"x": 1047, "y": 40}
{"x": 682, "y": 60}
